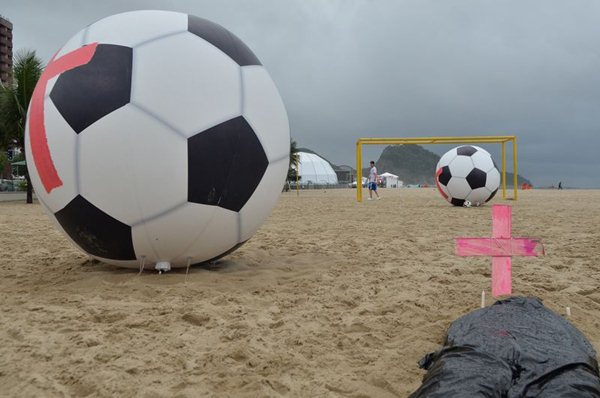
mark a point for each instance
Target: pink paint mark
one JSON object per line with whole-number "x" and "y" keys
{"x": 501, "y": 276}
{"x": 501, "y": 247}
{"x": 498, "y": 247}
{"x": 37, "y": 129}
{"x": 437, "y": 182}
{"x": 501, "y": 266}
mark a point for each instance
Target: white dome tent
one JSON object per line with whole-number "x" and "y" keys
{"x": 314, "y": 170}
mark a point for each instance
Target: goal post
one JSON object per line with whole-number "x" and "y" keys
{"x": 493, "y": 139}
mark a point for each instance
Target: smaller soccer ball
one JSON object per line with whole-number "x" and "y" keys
{"x": 467, "y": 176}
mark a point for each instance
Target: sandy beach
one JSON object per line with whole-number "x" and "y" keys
{"x": 330, "y": 298}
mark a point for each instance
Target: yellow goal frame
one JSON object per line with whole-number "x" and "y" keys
{"x": 494, "y": 139}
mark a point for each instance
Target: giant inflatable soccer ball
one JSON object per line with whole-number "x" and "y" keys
{"x": 157, "y": 136}
{"x": 467, "y": 175}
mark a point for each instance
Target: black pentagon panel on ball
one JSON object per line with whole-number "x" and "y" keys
{"x": 95, "y": 231}
{"x": 457, "y": 202}
{"x": 492, "y": 195}
{"x": 476, "y": 178}
{"x": 445, "y": 176}
{"x": 466, "y": 150}
{"x": 85, "y": 94}
{"x": 223, "y": 39}
{"x": 225, "y": 165}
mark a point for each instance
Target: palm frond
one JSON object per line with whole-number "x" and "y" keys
{"x": 15, "y": 96}
{"x": 294, "y": 156}
{"x": 26, "y": 72}
{"x": 294, "y": 161}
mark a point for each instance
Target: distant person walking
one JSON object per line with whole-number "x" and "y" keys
{"x": 560, "y": 185}
{"x": 373, "y": 181}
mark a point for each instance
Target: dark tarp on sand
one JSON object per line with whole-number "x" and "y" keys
{"x": 514, "y": 348}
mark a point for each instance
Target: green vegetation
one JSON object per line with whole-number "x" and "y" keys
{"x": 3, "y": 161}
{"x": 294, "y": 161}
{"x": 14, "y": 103}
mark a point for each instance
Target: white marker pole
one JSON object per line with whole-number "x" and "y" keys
{"x": 482, "y": 298}
{"x": 568, "y": 311}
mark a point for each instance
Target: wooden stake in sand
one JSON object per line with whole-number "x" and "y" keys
{"x": 501, "y": 247}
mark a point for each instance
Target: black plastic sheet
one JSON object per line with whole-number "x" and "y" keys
{"x": 514, "y": 348}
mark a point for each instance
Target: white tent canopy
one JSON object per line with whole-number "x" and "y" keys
{"x": 315, "y": 170}
{"x": 391, "y": 180}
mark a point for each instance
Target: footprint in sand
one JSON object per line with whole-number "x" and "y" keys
{"x": 196, "y": 320}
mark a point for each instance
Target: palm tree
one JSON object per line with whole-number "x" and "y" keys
{"x": 294, "y": 160}
{"x": 14, "y": 102}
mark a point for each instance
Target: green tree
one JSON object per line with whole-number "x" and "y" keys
{"x": 14, "y": 103}
{"x": 3, "y": 160}
{"x": 294, "y": 161}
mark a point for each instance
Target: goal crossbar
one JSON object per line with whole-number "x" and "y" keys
{"x": 493, "y": 139}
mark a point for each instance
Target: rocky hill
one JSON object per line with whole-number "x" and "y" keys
{"x": 412, "y": 163}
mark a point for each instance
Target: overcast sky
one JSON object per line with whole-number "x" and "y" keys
{"x": 395, "y": 68}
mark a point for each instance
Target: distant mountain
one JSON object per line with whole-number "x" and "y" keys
{"x": 416, "y": 165}
{"x": 413, "y": 164}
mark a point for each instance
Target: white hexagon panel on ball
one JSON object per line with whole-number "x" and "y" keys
{"x": 157, "y": 137}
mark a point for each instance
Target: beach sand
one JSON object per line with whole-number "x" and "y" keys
{"x": 330, "y": 298}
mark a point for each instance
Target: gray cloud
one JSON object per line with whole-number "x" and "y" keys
{"x": 395, "y": 68}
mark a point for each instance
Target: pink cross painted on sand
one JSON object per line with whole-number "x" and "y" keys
{"x": 501, "y": 247}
